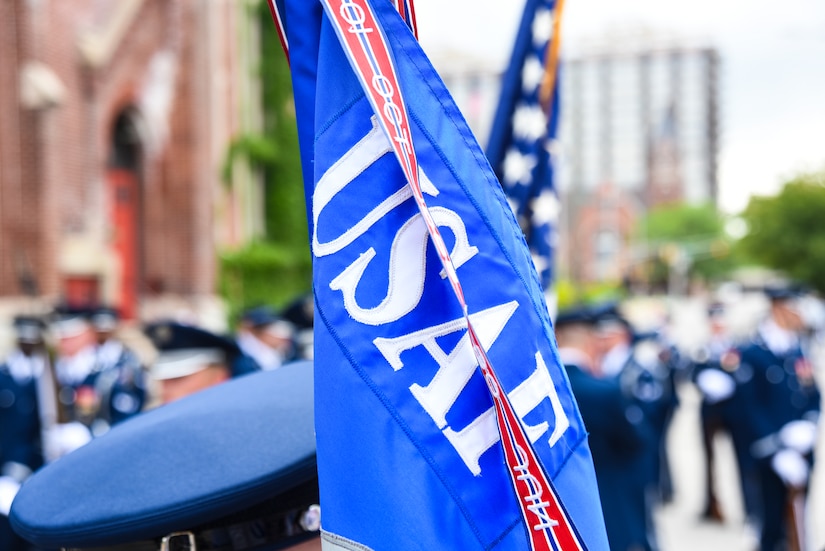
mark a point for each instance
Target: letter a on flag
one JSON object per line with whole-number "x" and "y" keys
{"x": 444, "y": 419}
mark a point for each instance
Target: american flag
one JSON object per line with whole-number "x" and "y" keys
{"x": 523, "y": 136}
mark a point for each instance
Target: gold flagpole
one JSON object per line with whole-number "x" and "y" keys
{"x": 551, "y": 64}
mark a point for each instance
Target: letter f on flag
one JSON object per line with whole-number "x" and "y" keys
{"x": 444, "y": 419}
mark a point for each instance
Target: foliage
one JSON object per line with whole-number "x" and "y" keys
{"x": 285, "y": 211}
{"x": 688, "y": 236}
{"x": 569, "y": 293}
{"x": 263, "y": 273}
{"x": 278, "y": 268}
{"x": 257, "y": 149}
{"x": 787, "y": 233}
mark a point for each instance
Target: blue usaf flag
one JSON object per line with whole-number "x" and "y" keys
{"x": 422, "y": 281}
{"x": 524, "y": 128}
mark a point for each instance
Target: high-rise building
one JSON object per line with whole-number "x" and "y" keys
{"x": 639, "y": 128}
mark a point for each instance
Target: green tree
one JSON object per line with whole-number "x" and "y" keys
{"x": 278, "y": 267}
{"x": 787, "y": 232}
{"x": 688, "y": 236}
{"x": 285, "y": 211}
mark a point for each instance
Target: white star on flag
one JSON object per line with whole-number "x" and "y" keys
{"x": 542, "y": 27}
{"x": 518, "y": 168}
{"x": 546, "y": 208}
{"x": 532, "y": 74}
{"x": 529, "y": 122}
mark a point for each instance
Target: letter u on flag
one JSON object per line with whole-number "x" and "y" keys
{"x": 444, "y": 419}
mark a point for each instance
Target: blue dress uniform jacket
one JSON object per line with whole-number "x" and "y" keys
{"x": 736, "y": 413}
{"x": 780, "y": 390}
{"x": 711, "y": 361}
{"x": 20, "y": 441}
{"x": 111, "y": 392}
{"x": 783, "y": 385}
{"x": 652, "y": 389}
{"x": 617, "y": 445}
{"x": 121, "y": 383}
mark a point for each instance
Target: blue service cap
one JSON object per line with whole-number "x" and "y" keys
{"x": 28, "y": 329}
{"x": 104, "y": 318}
{"x": 646, "y": 336}
{"x": 782, "y": 292}
{"x": 186, "y": 349}
{"x": 265, "y": 318}
{"x": 233, "y": 464}
{"x": 69, "y": 321}
{"x": 609, "y": 315}
{"x": 259, "y": 316}
{"x": 301, "y": 311}
{"x": 575, "y": 315}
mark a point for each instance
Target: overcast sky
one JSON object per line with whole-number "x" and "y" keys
{"x": 772, "y": 72}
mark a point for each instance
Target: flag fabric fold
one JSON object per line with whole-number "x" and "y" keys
{"x": 409, "y": 454}
{"x": 524, "y": 130}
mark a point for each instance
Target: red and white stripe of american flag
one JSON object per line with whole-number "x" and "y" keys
{"x": 548, "y": 525}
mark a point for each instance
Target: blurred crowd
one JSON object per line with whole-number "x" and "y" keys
{"x": 757, "y": 388}
{"x": 71, "y": 375}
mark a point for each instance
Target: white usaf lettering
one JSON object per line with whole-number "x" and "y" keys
{"x": 407, "y": 269}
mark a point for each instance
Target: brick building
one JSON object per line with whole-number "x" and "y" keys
{"x": 115, "y": 116}
{"x": 597, "y": 231}
{"x": 639, "y": 129}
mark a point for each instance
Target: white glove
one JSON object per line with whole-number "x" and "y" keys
{"x": 799, "y": 436}
{"x": 65, "y": 438}
{"x": 715, "y": 385}
{"x": 647, "y": 354}
{"x": 791, "y": 467}
{"x": 8, "y": 489}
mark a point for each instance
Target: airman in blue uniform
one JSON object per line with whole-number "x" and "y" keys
{"x": 22, "y": 378}
{"x": 780, "y": 403}
{"x": 301, "y": 314}
{"x": 101, "y": 381}
{"x": 119, "y": 378}
{"x": 770, "y": 403}
{"x": 716, "y": 385}
{"x": 644, "y": 379}
{"x": 616, "y": 428}
{"x": 231, "y": 468}
{"x": 191, "y": 359}
{"x": 266, "y": 337}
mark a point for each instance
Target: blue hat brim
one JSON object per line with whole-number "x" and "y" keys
{"x": 183, "y": 464}
{"x": 579, "y": 315}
